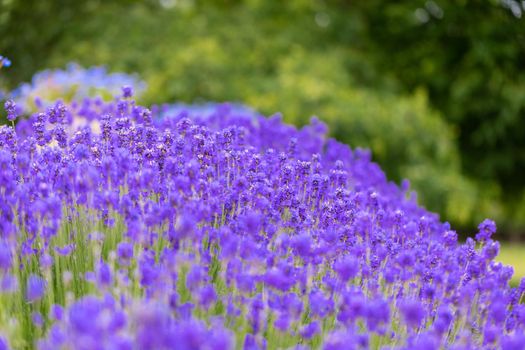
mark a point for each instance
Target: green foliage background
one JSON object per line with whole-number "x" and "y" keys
{"x": 439, "y": 97}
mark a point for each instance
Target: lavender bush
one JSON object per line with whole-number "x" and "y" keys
{"x": 229, "y": 230}
{"x": 70, "y": 84}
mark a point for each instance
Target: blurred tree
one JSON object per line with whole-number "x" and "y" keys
{"x": 470, "y": 57}
{"x": 31, "y": 29}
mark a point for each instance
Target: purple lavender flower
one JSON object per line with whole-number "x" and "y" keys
{"x": 491, "y": 250}
{"x": 413, "y": 313}
{"x": 57, "y": 311}
{"x": 127, "y": 91}
{"x": 5, "y": 256}
{"x": 11, "y": 109}
{"x": 36, "y": 287}
{"x": 4, "y": 345}
{"x": 347, "y": 268}
{"x": 37, "y": 319}
{"x": 104, "y": 276}
{"x": 310, "y": 330}
{"x": 513, "y": 342}
{"x": 282, "y": 322}
{"x": 8, "y": 283}
{"x": 125, "y": 252}
{"x": 207, "y": 296}
{"x": 486, "y": 229}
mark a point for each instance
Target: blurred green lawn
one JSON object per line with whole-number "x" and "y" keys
{"x": 512, "y": 254}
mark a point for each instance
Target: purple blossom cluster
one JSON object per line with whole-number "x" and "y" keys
{"x": 70, "y": 84}
{"x": 201, "y": 111}
{"x": 229, "y": 230}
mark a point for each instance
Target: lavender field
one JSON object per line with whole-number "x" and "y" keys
{"x": 215, "y": 227}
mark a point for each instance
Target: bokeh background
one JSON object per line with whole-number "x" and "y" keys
{"x": 436, "y": 89}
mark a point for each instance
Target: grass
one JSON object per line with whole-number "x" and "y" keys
{"x": 513, "y": 254}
